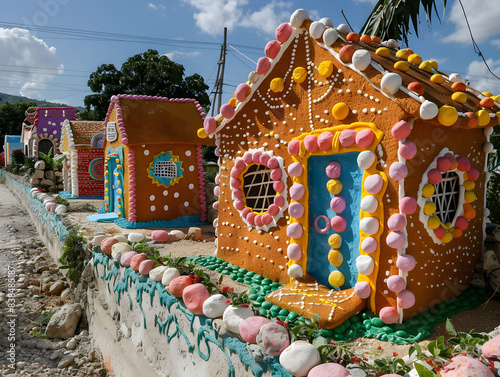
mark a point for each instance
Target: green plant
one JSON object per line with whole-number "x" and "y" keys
{"x": 41, "y": 322}
{"x": 235, "y": 299}
{"x": 60, "y": 200}
{"x": 18, "y": 156}
{"x": 53, "y": 163}
{"x": 74, "y": 254}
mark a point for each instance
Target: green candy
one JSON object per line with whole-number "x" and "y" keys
{"x": 284, "y": 312}
{"x": 292, "y": 315}
{"x": 376, "y": 321}
{"x": 266, "y": 305}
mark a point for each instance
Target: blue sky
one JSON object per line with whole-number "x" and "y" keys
{"x": 40, "y": 61}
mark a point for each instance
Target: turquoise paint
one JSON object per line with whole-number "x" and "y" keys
{"x": 115, "y": 190}
{"x": 319, "y": 204}
{"x": 165, "y": 181}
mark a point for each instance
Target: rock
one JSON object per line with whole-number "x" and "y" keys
{"x": 273, "y": 338}
{"x": 38, "y": 174}
{"x": 47, "y": 182}
{"x": 96, "y": 241}
{"x": 194, "y": 233}
{"x": 120, "y": 238}
{"x": 34, "y": 182}
{"x": 299, "y": 358}
{"x": 169, "y": 274}
{"x": 40, "y": 165}
{"x": 135, "y": 237}
{"x": 159, "y": 235}
{"x": 66, "y": 294}
{"x": 194, "y": 297}
{"x": 60, "y": 209}
{"x": 177, "y": 235}
{"x": 127, "y": 258}
{"x": 107, "y": 244}
{"x": 233, "y": 316}
{"x": 146, "y": 266}
{"x": 249, "y": 328}
{"x": 157, "y": 273}
{"x": 63, "y": 323}
{"x": 214, "y": 306}
{"x": 136, "y": 261}
{"x": 491, "y": 349}
{"x": 56, "y": 288}
{"x": 332, "y": 370}
{"x": 66, "y": 361}
{"x": 178, "y": 284}
{"x": 120, "y": 248}
{"x": 463, "y": 366}
{"x": 72, "y": 343}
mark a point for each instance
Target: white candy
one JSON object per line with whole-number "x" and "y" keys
{"x": 361, "y": 59}
{"x": 214, "y": 306}
{"x": 327, "y": 22}
{"x": 316, "y": 29}
{"x": 428, "y": 110}
{"x": 391, "y": 43}
{"x": 344, "y": 28}
{"x": 330, "y": 36}
{"x": 487, "y": 147}
{"x": 365, "y": 264}
{"x": 455, "y": 77}
{"x": 366, "y": 159}
{"x": 156, "y": 274}
{"x": 299, "y": 358}
{"x": 295, "y": 271}
{"x": 488, "y": 131}
{"x": 168, "y": 275}
{"x": 253, "y": 77}
{"x": 391, "y": 83}
{"x": 369, "y": 204}
{"x": 177, "y": 234}
{"x": 298, "y": 17}
{"x": 233, "y": 316}
{"x": 369, "y": 225}
{"x": 135, "y": 237}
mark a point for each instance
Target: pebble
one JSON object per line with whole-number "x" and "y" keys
{"x": 159, "y": 235}
{"x": 121, "y": 238}
{"x": 169, "y": 275}
{"x": 214, "y": 306}
{"x": 250, "y": 327}
{"x": 135, "y": 237}
{"x": 329, "y": 370}
{"x": 156, "y": 274}
{"x": 177, "y": 235}
{"x": 233, "y": 316}
{"x": 273, "y": 338}
{"x": 194, "y": 297}
{"x": 120, "y": 248}
{"x": 299, "y": 358}
{"x": 178, "y": 284}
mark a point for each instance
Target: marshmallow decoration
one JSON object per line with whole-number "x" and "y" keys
{"x": 316, "y": 29}
{"x": 391, "y": 83}
{"x": 361, "y": 59}
{"x": 330, "y": 36}
{"x": 428, "y": 110}
{"x": 298, "y": 17}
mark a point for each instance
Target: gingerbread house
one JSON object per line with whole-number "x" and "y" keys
{"x": 153, "y": 162}
{"x": 11, "y": 142}
{"x": 42, "y": 128}
{"x": 353, "y": 171}
{"x": 82, "y": 143}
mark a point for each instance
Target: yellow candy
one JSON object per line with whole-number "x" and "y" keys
{"x": 437, "y": 78}
{"x": 498, "y": 117}
{"x": 459, "y": 97}
{"x": 496, "y": 99}
{"x": 276, "y": 84}
{"x": 429, "y": 208}
{"x": 106, "y": 198}
{"x": 340, "y": 111}
{"x": 469, "y": 185}
{"x": 299, "y": 75}
{"x": 415, "y": 59}
{"x": 232, "y": 102}
{"x": 426, "y": 66}
{"x": 334, "y": 186}
{"x": 404, "y": 53}
{"x": 383, "y": 51}
{"x": 325, "y": 68}
{"x": 469, "y": 196}
{"x": 447, "y": 115}
{"x": 447, "y": 237}
{"x": 106, "y": 172}
{"x": 117, "y": 160}
{"x": 428, "y": 190}
{"x": 487, "y": 94}
{"x": 402, "y": 66}
{"x": 119, "y": 213}
{"x": 335, "y": 240}
{"x": 434, "y": 64}
{"x": 106, "y": 189}
{"x": 335, "y": 257}
{"x": 483, "y": 117}
{"x": 336, "y": 279}
{"x": 433, "y": 222}
{"x": 201, "y": 133}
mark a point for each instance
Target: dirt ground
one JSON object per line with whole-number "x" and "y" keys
{"x": 482, "y": 319}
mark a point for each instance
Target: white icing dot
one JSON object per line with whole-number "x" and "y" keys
{"x": 191, "y": 168}
{"x": 165, "y": 193}
{"x": 186, "y": 204}
{"x": 191, "y": 186}
{"x": 188, "y": 153}
{"x": 146, "y": 152}
{"x": 152, "y": 198}
{"x": 176, "y": 194}
{"x": 165, "y": 207}
{"x": 153, "y": 208}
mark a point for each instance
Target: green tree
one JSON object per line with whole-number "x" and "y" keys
{"x": 392, "y": 18}
{"x": 148, "y": 73}
{"x": 11, "y": 118}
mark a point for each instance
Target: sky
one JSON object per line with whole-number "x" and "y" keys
{"x": 48, "y": 48}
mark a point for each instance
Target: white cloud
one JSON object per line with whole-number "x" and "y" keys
{"x": 157, "y": 6}
{"x": 175, "y": 53}
{"x": 496, "y": 42}
{"x": 481, "y": 79}
{"x": 483, "y": 16}
{"x": 315, "y": 15}
{"x": 30, "y": 55}
{"x": 268, "y": 17}
{"x": 373, "y": 2}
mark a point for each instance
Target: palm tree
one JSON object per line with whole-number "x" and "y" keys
{"x": 392, "y": 18}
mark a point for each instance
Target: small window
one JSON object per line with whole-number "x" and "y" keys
{"x": 446, "y": 196}
{"x": 258, "y": 188}
{"x": 166, "y": 169}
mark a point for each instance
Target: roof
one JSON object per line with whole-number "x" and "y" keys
{"x": 415, "y": 85}
{"x": 149, "y": 119}
{"x": 33, "y": 114}
{"x": 80, "y": 132}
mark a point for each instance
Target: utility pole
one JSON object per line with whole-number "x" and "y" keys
{"x": 219, "y": 81}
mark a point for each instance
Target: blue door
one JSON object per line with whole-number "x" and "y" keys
{"x": 320, "y": 211}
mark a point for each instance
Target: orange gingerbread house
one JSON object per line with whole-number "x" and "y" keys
{"x": 353, "y": 171}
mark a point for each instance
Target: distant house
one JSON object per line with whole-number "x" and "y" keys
{"x": 11, "y": 142}
{"x": 153, "y": 163}
{"x": 42, "y": 128}
{"x": 83, "y": 172}
{"x": 354, "y": 172}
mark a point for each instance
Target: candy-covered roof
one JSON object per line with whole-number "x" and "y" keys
{"x": 149, "y": 119}
{"x": 81, "y": 132}
{"x": 416, "y": 85}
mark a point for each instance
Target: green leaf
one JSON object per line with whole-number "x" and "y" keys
{"x": 450, "y": 329}
{"x": 319, "y": 341}
{"x": 423, "y": 371}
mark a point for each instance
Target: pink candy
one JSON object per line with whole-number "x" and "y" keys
{"x": 401, "y": 130}
{"x": 396, "y": 222}
{"x": 272, "y": 48}
{"x": 283, "y": 32}
{"x": 333, "y": 170}
{"x": 325, "y": 141}
{"x": 364, "y": 138}
{"x": 311, "y": 143}
{"x": 347, "y": 138}
{"x": 407, "y": 205}
{"x": 389, "y": 315}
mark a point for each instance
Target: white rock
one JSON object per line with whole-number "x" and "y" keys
{"x": 298, "y": 17}
{"x": 60, "y": 209}
{"x": 428, "y": 110}
{"x": 214, "y": 306}
{"x": 177, "y": 234}
{"x": 330, "y": 36}
{"x": 121, "y": 238}
{"x": 369, "y": 225}
{"x": 38, "y": 174}
{"x": 168, "y": 275}
{"x": 365, "y": 264}
{"x": 391, "y": 43}
{"x": 327, "y": 22}
{"x": 40, "y": 165}
{"x": 391, "y": 82}
{"x": 42, "y": 196}
{"x": 369, "y": 204}
{"x": 96, "y": 241}
{"x": 156, "y": 274}
{"x": 455, "y": 77}
{"x": 344, "y": 28}
{"x": 366, "y": 159}
{"x": 135, "y": 237}
{"x": 299, "y": 358}
{"x": 295, "y": 271}
{"x": 361, "y": 59}
{"x": 215, "y": 222}
{"x": 233, "y": 316}
{"x": 316, "y": 29}
{"x": 49, "y": 199}
{"x": 120, "y": 248}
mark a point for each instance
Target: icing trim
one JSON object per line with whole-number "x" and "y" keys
{"x": 201, "y": 184}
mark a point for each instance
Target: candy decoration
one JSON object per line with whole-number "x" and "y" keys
{"x": 391, "y": 82}
{"x": 401, "y": 130}
{"x": 283, "y": 32}
{"x": 340, "y": 111}
{"x": 272, "y": 48}
{"x": 316, "y": 29}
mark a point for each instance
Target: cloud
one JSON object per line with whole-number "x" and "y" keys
{"x": 172, "y": 54}
{"x": 268, "y": 17}
{"x": 481, "y": 79}
{"x": 373, "y": 2}
{"x": 36, "y": 62}
{"x": 157, "y": 6}
{"x": 483, "y": 16}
